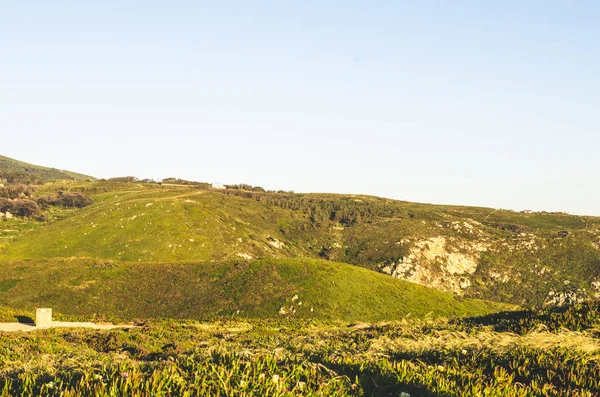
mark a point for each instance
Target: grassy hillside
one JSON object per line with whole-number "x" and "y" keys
{"x": 303, "y": 288}
{"x": 474, "y": 252}
{"x": 164, "y": 224}
{"x": 15, "y": 171}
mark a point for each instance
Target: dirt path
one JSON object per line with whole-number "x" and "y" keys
{"x": 24, "y": 327}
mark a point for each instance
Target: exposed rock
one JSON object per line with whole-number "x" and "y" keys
{"x": 275, "y": 243}
{"x": 503, "y": 278}
{"x": 435, "y": 264}
{"x": 464, "y": 283}
{"x": 565, "y": 298}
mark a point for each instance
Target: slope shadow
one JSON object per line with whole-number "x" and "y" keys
{"x": 378, "y": 383}
{"x": 576, "y": 317}
{"x": 25, "y": 320}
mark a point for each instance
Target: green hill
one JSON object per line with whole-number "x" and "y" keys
{"x": 267, "y": 288}
{"x": 164, "y": 224}
{"x": 474, "y": 252}
{"x": 14, "y": 171}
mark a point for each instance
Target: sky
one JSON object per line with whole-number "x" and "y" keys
{"x": 487, "y": 103}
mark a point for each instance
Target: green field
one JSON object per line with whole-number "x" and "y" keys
{"x": 515, "y": 258}
{"x": 553, "y": 355}
{"x": 254, "y": 289}
{"x": 240, "y": 291}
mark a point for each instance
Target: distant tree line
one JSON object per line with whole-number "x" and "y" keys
{"x": 245, "y": 186}
{"x": 122, "y": 179}
{"x": 319, "y": 210}
{"x": 178, "y": 181}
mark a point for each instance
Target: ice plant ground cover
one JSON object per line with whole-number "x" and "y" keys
{"x": 551, "y": 352}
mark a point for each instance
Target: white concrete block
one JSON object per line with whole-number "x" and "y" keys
{"x": 43, "y": 318}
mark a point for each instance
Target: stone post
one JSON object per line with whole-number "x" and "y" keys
{"x": 43, "y": 318}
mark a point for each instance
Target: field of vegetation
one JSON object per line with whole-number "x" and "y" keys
{"x": 547, "y": 353}
{"x": 243, "y": 292}
{"x": 519, "y": 258}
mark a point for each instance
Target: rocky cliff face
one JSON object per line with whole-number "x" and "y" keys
{"x": 559, "y": 269}
{"x": 436, "y": 263}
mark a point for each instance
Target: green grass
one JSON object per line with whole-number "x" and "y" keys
{"x": 325, "y": 290}
{"x": 168, "y": 257}
{"x": 160, "y": 225}
{"x": 301, "y": 358}
{"x": 144, "y": 222}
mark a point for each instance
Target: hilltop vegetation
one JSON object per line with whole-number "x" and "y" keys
{"x": 496, "y": 255}
{"x": 290, "y": 288}
{"x": 14, "y": 171}
{"x": 145, "y": 250}
{"x": 524, "y": 259}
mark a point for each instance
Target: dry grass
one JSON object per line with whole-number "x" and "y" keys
{"x": 489, "y": 340}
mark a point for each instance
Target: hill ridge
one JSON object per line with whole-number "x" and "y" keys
{"x": 16, "y": 171}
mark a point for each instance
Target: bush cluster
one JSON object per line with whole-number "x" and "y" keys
{"x": 245, "y": 186}
{"x": 20, "y": 207}
{"x": 320, "y": 211}
{"x": 16, "y": 191}
{"x": 177, "y": 181}
{"x": 65, "y": 200}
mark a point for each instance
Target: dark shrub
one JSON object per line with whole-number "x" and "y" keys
{"x": 123, "y": 179}
{"x": 16, "y": 191}
{"x": 20, "y": 207}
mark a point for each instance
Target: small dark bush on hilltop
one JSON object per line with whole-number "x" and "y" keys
{"x": 20, "y": 207}
{"x": 245, "y": 186}
{"x": 514, "y": 228}
{"x": 65, "y": 200}
{"x": 128, "y": 179}
{"x": 177, "y": 181}
{"x": 123, "y": 179}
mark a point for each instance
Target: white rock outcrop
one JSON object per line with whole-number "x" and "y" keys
{"x": 436, "y": 263}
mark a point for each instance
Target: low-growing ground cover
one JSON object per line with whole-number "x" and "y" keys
{"x": 291, "y": 357}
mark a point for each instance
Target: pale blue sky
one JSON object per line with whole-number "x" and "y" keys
{"x": 491, "y": 103}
